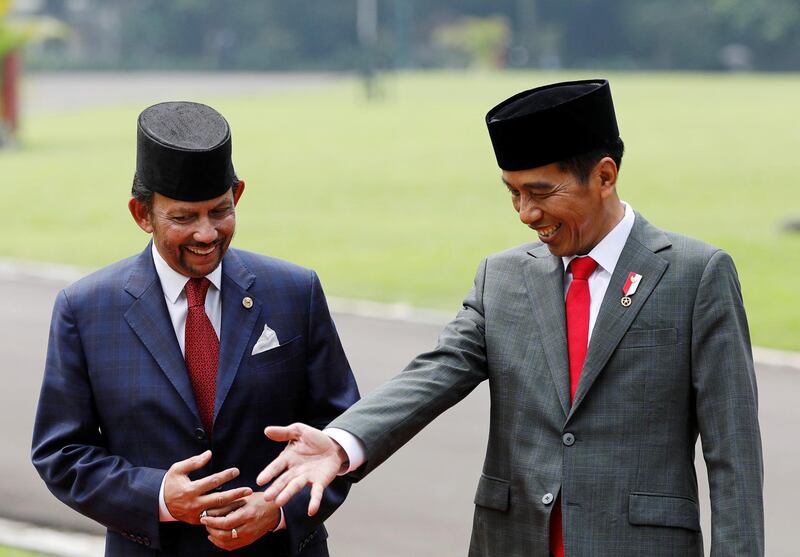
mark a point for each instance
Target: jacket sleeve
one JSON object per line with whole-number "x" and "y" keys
{"x": 331, "y": 390}
{"x": 727, "y": 411}
{"x": 393, "y": 413}
{"x": 69, "y": 450}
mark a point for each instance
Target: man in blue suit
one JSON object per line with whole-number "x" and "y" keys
{"x": 163, "y": 368}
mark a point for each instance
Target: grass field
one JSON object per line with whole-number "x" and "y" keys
{"x": 10, "y": 552}
{"x": 399, "y": 200}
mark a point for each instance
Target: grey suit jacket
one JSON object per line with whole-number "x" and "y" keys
{"x": 674, "y": 364}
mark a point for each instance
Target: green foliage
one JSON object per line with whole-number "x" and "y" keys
{"x": 16, "y": 32}
{"x": 399, "y": 200}
{"x": 276, "y": 34}
{"x": 10, "y": 39}
{"x": 482, "y": 41}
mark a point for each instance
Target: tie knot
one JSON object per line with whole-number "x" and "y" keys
{"x": 196, "y": 289}
{"x": 582, "y": 267}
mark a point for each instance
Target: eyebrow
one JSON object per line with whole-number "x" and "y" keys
{"x": 537, "y": 185}
{"x": 226, "y": 204}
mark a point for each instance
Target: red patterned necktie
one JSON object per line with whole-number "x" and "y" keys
{"x": 578, "y": 300}
{"x": 201, "y": 350}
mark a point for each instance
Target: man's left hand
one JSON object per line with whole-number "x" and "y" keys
{"x": 251, "y": 520}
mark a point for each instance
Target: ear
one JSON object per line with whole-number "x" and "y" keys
{"x": 141, "y": 214}
{"x": 606, "y": 172}
{"x": 239, "y": 192}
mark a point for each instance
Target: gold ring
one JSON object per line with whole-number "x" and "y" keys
{"x": 234, "y": 533}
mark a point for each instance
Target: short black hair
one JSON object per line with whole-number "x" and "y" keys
{"x": 141, "y": 193}
{"x": 581, "y": 165}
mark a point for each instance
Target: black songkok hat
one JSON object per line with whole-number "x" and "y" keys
{"x": 183, "y": 151}
{"x": 551, "y": 123}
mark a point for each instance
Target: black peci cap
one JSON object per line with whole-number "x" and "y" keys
{"x": 551, "y": 123}
{"x": 183, "y": 151}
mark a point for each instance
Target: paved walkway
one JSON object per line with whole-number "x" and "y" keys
{"x": 424, "y": 492}
{"x": 44, "y": 92}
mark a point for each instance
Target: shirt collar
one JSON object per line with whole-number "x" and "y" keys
{"x": 172, "y": 282}
{"x": 608, "y": 250}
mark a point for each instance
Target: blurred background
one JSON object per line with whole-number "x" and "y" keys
{"x": 274, "y": 35}
{"x": 358, "y": 126}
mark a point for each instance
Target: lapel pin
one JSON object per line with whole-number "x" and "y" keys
{"x": 247, "y": 302}
{"x": 631, "y": 284}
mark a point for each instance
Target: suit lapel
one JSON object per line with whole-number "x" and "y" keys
{"x": 613, "y": 320}
{"x": 237, "y": 323}
{"x": 149, "y": 319}
{"x": 544, "y": 277}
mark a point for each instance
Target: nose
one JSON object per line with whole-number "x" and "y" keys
{"x": 529, "y": 212}
{"x": 206, "y": 233}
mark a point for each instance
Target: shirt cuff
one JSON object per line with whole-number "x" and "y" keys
{"x": 163, "y": 513}
{"x": 282, "y": 524}
{"x": 352, "y": 445}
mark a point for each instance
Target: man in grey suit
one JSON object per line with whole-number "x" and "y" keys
{"x": 609, "y": 346}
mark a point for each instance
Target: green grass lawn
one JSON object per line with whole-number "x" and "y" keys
{"x": 10, "y": 552}
{"x": 399, "y": 200}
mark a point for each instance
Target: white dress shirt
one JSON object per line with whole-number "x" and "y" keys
{"x": 606, "y": 253}
{"x": 173, "y": 284}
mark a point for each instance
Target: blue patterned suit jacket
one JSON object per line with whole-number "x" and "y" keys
{"x": 117, "y": 408}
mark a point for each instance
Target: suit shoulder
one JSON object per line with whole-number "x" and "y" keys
{"x": 261, "y": 265}
{"x": 693, "y": 250}
{"x": 109, "y": 278}
{"x": 513, "y": 255}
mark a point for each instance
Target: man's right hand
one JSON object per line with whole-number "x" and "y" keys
{"x": 187, "y": 499}
{"x": 311, "y": 457}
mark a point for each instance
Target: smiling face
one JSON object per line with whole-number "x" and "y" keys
{"x": 569, "y": 216}
{"x": 191, "y": 236}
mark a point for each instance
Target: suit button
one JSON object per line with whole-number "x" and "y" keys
{"x": 568, "y": 439}
{"x": 200, "y": 433}
{"x": 547, "y": 499}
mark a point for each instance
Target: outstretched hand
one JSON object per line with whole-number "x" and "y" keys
{"x": 310, "y": 458}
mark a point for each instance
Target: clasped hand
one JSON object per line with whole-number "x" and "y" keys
{"x": 249, "y": 514}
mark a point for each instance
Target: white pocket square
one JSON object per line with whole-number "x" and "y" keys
{"x": 267, "y": 341}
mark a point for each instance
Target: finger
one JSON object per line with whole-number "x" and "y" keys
{"x": 223, "y": 534}
{"x": 209, "y": 483}
{"x": 317, "y": 490}
{"x": 272, "y": 469}
{"x": 291, "y": 490}
{"x": 223, "y": 498}
{"x": 288, "y": 433}
{"x": 227, "y": 509}
{"x": 192, "y": 463}
{"x": 234, "y": 520}
{"x": 279, "y": 484}
{"x": 222, "y": 542}
{"x": 225, "y": 539}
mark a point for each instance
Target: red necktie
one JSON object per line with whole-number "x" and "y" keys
{"x": 578, "y": 318}
{"x": 201, "y": 350}
{"x": 578, "y": 300}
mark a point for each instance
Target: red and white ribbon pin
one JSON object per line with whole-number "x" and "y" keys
{"x": 631, "y": 284}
